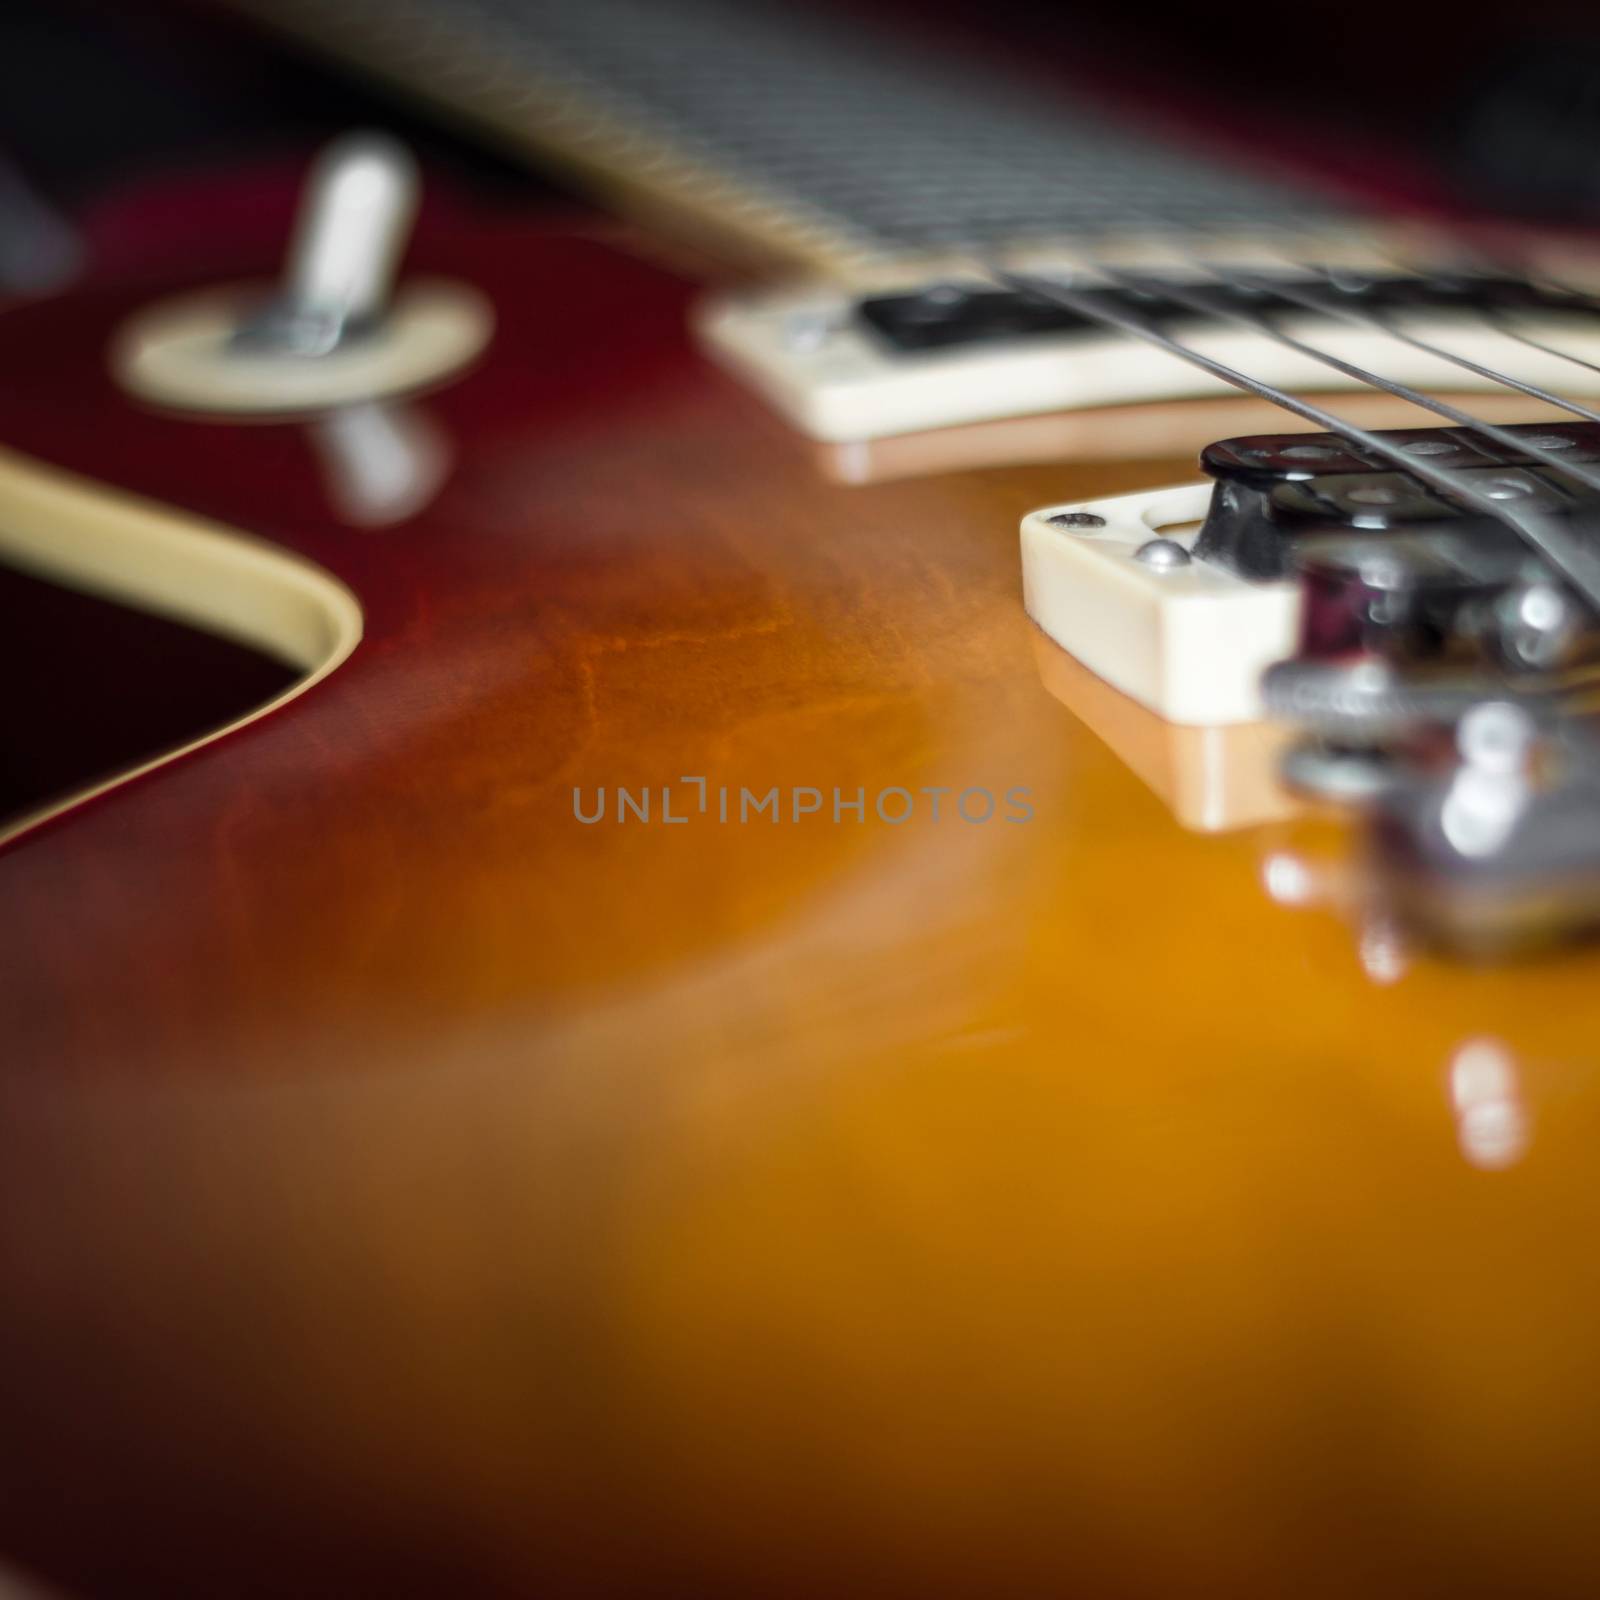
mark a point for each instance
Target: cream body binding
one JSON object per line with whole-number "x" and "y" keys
{"x": 100, "y": 541}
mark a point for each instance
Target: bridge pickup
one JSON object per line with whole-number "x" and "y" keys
{"x": 1280, "y": 497}
{"x": 1391, "y": 566}
{"x": 1310, "y": 551}
{"x": 1270, "y": 458}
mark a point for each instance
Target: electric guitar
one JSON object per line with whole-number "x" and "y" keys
{"x": 589, "y": 1004}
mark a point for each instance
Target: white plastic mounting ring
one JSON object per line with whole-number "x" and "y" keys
{"x": 1190, "y": 642}
{"x": 179, "y": 352}
{"x": 801, "y": 346}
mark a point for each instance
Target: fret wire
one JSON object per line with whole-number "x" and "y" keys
{"x": 1556, "y": 543}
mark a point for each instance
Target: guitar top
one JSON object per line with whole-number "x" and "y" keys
{"x": 661, "y": 1036}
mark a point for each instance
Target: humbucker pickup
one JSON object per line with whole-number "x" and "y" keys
{"x": 1279, "y": 493}
{"x": 847, "y": 368}
{"x": 1304, "y": 547}
{"x": 1437, "y": 669}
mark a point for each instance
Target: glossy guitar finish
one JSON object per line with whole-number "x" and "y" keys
{"x": 409, "y": 1188}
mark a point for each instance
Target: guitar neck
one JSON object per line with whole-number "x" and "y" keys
{"x": 792, "y": 136}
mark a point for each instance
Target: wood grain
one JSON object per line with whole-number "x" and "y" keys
{"x": 409, "y": 1189}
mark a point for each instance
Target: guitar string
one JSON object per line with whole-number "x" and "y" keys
{"x": 1369, "y": 320}
{"x": 1549, "y": 538}
{"x": 1546, "y": 535}
{"x": 1332, "y": 276}
{"x": 1502, "y": 323}
{"x": 1500, "y": 318}
{"x": 1337, "y": 307}
{"x": 1201, "y": 300}
{"x": 1142, "y": 328}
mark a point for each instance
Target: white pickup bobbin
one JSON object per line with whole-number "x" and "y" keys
{"x": 331, "y": 334}
{"x": 1114, "y": 582}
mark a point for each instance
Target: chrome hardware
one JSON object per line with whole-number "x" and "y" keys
{"x": 1343, "y": 774}
{"x": 1162, "y": 555}
{"x": 354, "y": 222}
{"x": 1448, "y": 678}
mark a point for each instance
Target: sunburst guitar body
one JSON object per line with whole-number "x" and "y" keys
{"x": 649, "y": 1031}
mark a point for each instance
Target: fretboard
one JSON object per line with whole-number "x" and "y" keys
{"x": 803, "y": 137}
